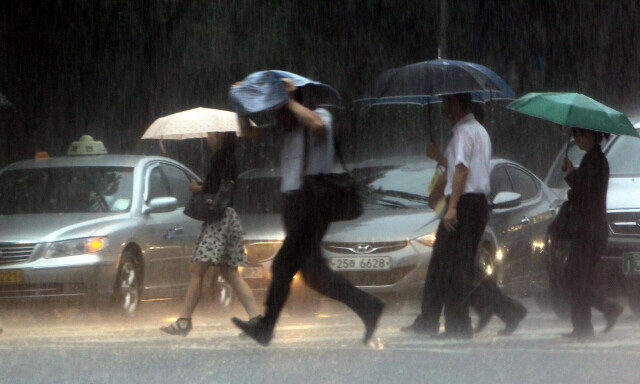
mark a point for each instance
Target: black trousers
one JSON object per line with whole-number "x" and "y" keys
{"x": 306, "y": 225}
{"x": 583, "y": 290}
{"x": 452, "y": 278}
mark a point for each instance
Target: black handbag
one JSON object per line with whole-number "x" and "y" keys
{"x": 337, "y": 194}
{"x": 210, "y": 207}
{"x": 560, "y": 228}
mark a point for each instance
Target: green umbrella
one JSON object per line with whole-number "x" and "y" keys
{"x": 574, "y": 110}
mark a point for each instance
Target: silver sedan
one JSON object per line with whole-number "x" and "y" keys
{"x": 105, "y": 228}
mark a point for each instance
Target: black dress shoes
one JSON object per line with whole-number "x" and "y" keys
{"x": 255, "y": 329}
{"x": 371, "y": 319}
{"x": 460, "y": 335}
{"x": 512, "y": 324}
{"x": 484, "y": 317}
{"x": 579, "y": 336}
{"x": 612, "y": 317}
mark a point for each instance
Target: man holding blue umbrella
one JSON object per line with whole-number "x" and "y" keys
{"x": 307, "y": 151}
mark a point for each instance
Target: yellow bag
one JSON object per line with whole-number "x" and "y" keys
{"x": 441, "y": 203}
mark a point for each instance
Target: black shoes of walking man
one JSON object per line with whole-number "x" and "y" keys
{"x": 483, "y": 319}
{"x": 261, "y": 332}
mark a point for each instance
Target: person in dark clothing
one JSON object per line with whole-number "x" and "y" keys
{"x": 220, "y": 243}
{"x": 588, "y": 209}
{"x": 307, "y": 150}
{"x": 450, "y": 275}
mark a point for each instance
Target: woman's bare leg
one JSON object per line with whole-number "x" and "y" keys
{"x": 197, "y": 270}
{"x": 241, "y": 288}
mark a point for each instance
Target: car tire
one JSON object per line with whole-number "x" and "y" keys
{"x": 127, "y": 289}
{"x": 303, "y": 303}
{"x": 633, "y": 296}
{"x": 558, "y": 291}
{"x": 543, "y": 301}
{"x": 484, "y": 260}
{"x": 219, "y": 296}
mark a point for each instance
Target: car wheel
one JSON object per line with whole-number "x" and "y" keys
{"x": 304, "y": 303}
{"x": 126, "y": 299}
{"x": 543, "y": 301}
{"x": 633, "y": 296}
{"x": 484, "y": 260}
{"x": 220, "y": 297}
{"x": 558, "y": 291}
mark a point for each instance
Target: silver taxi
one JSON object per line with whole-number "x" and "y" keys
{"x": 100, "y": 228}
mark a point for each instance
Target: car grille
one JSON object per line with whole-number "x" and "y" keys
{"x": 624, "y": 223}
{"x": 376, "y": 278}
{"x": 364, "y": 248}
{"x": 11, "y": 253}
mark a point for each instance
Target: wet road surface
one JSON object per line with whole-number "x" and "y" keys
{"x": 76, "y": 347}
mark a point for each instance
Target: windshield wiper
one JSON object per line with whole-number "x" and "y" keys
{"x": 401, "y": 194}
{"x": 387, "y": 203}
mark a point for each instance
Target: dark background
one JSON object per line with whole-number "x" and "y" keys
{"x": 109, "y": 68}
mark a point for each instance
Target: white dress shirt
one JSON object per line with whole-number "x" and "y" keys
{"x": 319, "y": 156}
{"x": 471, "y": 147}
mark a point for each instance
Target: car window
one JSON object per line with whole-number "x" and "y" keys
{"x": 624, "y": 156}
{"x": 499, "y": 182}
{"x": 522, "y": 183}
{"x": 178, "y": 184}
{"x": 66, "y": 190}
{"x": 156, "y": 185}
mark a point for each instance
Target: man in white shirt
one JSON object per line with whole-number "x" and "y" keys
{"x": 450, "y": 277}
{"x": 307, "y": 150}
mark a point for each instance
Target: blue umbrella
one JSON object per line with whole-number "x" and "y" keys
{"x": 422, "y": 83}
{"x": 264, "y": 91}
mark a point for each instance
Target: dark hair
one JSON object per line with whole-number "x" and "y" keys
{"x": 464, "y": 100}
{"x": 597, "y": 135}
{"x": 228, "y": 141}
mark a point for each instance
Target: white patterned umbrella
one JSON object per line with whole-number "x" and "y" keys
{"x": 192, "y": 124}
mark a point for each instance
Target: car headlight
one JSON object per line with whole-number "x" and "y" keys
{"x": 427, "y": 240}
{"x": 75, "y": 247}
{"x": 258, "y": 251}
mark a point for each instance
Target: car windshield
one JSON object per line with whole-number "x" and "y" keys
{"x": 65, "y": 190}
{"x": 259, "y": 195}
{"x": 398, "y": 187}
{"x": 624, "y": 157}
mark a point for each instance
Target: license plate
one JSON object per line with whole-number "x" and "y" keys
{"x": 368, "y": 263}
{"x": 252, "y": 273}
{"x": 11, "y": 276}
{"x": 631, "y": 263}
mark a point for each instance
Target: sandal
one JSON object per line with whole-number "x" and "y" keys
{"x": 177, "y": 329}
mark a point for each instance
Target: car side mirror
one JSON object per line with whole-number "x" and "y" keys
{"x": 161, "y": 204}
{"x": 505, "y": 200}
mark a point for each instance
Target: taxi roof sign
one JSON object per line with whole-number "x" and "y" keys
{"x": 87, "y": 146}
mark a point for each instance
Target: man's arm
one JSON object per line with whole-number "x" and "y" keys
{"x": 457, "y": 187}
{"x": 304, "y": 115}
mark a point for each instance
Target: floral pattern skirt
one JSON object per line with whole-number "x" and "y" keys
{"x": 222, "y": 242}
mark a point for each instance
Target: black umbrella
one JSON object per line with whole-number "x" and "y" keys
{"x": 421, "y": 83}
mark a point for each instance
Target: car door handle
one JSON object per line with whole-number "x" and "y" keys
{"x": 525, "y": 220}
{"x": 178, "y": 228}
